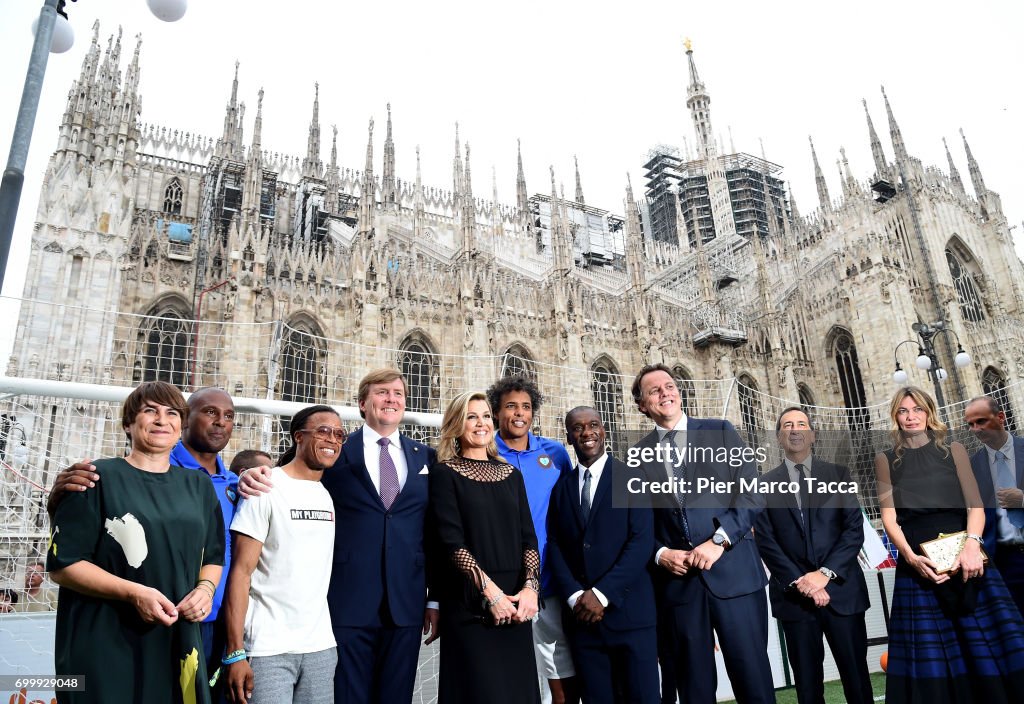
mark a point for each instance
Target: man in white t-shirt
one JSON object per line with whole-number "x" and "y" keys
{"x": 280, "y": 645}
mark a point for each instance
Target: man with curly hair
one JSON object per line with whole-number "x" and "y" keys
{"x": 513, "y": 401}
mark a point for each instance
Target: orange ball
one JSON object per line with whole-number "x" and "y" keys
{"x": 884, "y": 661}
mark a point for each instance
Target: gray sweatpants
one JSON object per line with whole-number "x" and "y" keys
{"x": 303, "y": 678}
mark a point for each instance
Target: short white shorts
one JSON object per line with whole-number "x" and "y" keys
{"x": 554, "y": 661}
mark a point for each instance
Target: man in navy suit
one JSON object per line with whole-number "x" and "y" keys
{"x": 599, "y": 548}
{"x": 810, "y": 541}
{"x": 999, "y": 469}
{"x": 709, "y": 575}
{"x": 377, "y": 595}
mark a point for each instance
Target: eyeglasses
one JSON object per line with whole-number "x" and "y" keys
{"x": 326, "y": 432}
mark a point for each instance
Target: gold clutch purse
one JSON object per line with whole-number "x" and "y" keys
{"x": 944, "y": 550}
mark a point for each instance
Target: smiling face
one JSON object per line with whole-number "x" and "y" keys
{"x": 659, "y": 398}
{"x": 911, "y": 417}
{"x": 318, "y": 444}
{"x": 795, "y": 435}
{"x": 384, "y": 406}
{"x": 155, "y": 429}
{"x": 211, "y": 419}
{"x": 515, "y": 416}
{"x": 586, "y": 434}
{"x": 477, "y": 430}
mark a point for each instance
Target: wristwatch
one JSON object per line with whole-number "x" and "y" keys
{"x": 827, "y": 572}
{"x": 720, "y": 539}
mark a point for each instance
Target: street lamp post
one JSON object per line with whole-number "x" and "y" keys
{"x": 927, "y": 359}
{"x": 14, "y": 174}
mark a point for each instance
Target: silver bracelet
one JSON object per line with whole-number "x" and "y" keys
{"x": 495, "y": 600}
{"x": 972, "y": 536}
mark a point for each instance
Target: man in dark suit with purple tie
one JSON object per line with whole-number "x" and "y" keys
{"x": 810, "y": 541}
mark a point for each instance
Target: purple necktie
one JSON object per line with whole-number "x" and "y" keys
{"x": 389, "y": 487}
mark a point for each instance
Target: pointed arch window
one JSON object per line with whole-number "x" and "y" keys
{"x": 173, "y": 196}
{"x": 606, "y": 386}
{"x": 419, "y": 365}
{"x": 166, "y": 342}
{"x": 303, "y": 370}
{"x": 517, "y": 362}
{"x": 971, "y": 306}
{"x": 850, "y": 380}
{"x": 993, "y": 383}
{"x": 303, "y": 363}
{"x": 750, "y": 409}
{"x": 687, "y": 392}
{"x": 805, "y": 395}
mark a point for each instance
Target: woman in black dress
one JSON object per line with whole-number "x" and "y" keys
{"x": 488, "y": 563}
{"x": 955, "y": 636}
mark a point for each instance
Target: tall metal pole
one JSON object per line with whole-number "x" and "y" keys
{"x": 14, "y": 174}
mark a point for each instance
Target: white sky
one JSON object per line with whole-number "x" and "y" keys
{"x": 601, "y": 80}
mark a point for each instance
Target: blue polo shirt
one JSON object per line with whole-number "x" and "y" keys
{"x": 541, "y": 464}
{"x": 225, "y": 484}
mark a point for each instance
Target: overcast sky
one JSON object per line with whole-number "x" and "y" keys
{"x": 605, "y": 81}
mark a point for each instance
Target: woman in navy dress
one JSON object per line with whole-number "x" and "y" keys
{"x": 954, "y": 636}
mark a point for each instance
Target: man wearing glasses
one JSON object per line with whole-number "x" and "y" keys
{"x": 378, "y": 589}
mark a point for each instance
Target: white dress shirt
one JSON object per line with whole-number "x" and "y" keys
{"x": 371, "y": 456}
{"x": 679, "y": 427}
{"x": 795, "y": 476}
{"x": 596, "y": 470}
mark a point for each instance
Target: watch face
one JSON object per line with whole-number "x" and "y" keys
{"x": 718, "y": 539}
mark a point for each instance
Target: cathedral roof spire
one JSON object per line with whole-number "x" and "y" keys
{"x": 257, "y": 127}
{"x": 979, "y": 183}
{"x": 877, "y": 154}
{"x": 824, "y": 201}
{"x": 457, "y": 166}
{"x": 333, "y": 178}
{"x": 367, "y": 199}
{"x": 634, "y": 240}
{"x": 231, "y": 138}
{"x": 522, "y": 199}
{"x": 894, "y": 131}
{"x": 311, "y": 166}
{"x": 954, "y": 174}
{"x": 388, "y": 185}
{"x": 699, "y": 103}
{"x": 579, "y": 187}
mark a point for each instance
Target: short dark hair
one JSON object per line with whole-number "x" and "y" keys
{"x": 298, "y": 422}
{"x": 196, "y": 396}
{"x": 158, "y": 392}
{"x": 993, "y": 405}
{"x": 510, "y": 384}
{"x": 644, "y": 371}
{"x": 790, "y": 409}
{"x": 247, "y": 459}
{"x": 10, "y": 594}
{"x": 582, "y": 408}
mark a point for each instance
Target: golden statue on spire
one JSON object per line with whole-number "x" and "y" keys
{"x": 688, "y": 44}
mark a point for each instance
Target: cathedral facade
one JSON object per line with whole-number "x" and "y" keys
{"x": 142, "y": 230}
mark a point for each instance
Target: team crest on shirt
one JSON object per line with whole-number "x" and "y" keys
{"x": 544, "y": 461}
{"x": 232, "y": 495}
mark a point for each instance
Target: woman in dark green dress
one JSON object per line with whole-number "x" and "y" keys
{"x": 137, "y": 560}
{"x": 489, "y": 564}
